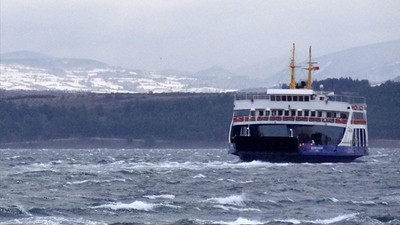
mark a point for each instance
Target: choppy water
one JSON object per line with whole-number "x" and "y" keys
{"x": 200, "y": 186}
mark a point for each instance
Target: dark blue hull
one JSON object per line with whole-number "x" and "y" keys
{"x": 295, "y": 158}
{"x": 286, "y": 149}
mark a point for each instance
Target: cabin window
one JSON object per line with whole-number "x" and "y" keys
{"x": 312, "y": 97}
{"x": 321, "y": 98}
{"x": 328, "y": 114}
{"x": 334, "y": 115}
{"x": 289, "y": 98}
{"x": 307, "y": 98}
{"x": 295, "y": 98}
{"x": 241, "y": 112}
{"x": 252, "y": 113}
{"x": 306, "y": 113}
{"x": 300, "y": 98}
{"x": 313, "y": 113}
{"x": 284, "y": 98}
{"x": 261, "y": 113}
{"x": 358, "y": 115}
{"x": 267, "y": 113}
{"x": 272, "y": 97}
{"x": 293, "y": 112}
{"x": 299, "y": 113}
{"x": 278, "y": 98}
{"x": 274, "y": 112}
{"x": 286, "y": 112}
{"x": 280, "y": 112}
{"x": 319, "y": 114}
{"x": 343, "y": 116}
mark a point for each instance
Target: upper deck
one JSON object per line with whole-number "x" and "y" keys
{"x": 299, "y": 95}
{"x": 299, "y": 106}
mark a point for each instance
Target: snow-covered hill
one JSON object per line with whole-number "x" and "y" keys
{"x": 35, "y": 71}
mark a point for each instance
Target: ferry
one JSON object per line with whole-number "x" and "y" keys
{"x": 298, "y": 124}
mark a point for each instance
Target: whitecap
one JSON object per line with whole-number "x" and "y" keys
{"x": 318, "y": 221}
{"x": 363, "y": 202}
{"x": 333, "y": 199}
{"x": 199, "y": 176}
{"x": 229, "y": 208}
{"x": 137, "y": 205}
{"x": 52, "y": 220}
{"x": 165, "y": 196}
{"x": 230, "y": 200}
{"x": 238, "y": 221}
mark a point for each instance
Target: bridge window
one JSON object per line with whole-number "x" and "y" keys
{"x": 272, "y": 97}
{"x": 301, "y": 98}
{"x": 278, "y": 98}
{"x": 295, "y": 98}
{"x": 284, "y": 98}
{"x": 358, "y": 115}
{"x": 306, "y": 98}
{"x": 289, "y": 98}
{"x": 241, "y": 112}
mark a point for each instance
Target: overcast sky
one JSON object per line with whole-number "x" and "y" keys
{"x": 193, "y": 34}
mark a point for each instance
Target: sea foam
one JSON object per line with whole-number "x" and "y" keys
{"x": 230, "y": 200}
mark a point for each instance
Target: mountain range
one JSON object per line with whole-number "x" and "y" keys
{"x": 25, "y": 70}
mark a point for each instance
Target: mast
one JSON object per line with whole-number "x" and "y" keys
{"x": 292, "y": 66}
{"x": 310, "y": 68}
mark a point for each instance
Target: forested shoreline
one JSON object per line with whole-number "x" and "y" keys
{"x": 147, "y": 120}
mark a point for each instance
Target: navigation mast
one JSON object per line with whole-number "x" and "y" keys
{"x": 310, "y": 68}
{"x": 292, "y": 66}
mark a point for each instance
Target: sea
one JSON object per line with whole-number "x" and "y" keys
{"x": 193, "y": 186}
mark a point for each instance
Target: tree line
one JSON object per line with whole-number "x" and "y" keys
{"x": 172, "y": 117}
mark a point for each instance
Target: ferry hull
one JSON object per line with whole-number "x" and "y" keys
{"x": 287, "y": 149}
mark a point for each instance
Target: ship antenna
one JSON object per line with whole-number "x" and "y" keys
{"x": 310, "y": 68}
{"x": 292, "y": 66}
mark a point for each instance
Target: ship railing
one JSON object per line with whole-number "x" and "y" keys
{"x": 324, "y": 120}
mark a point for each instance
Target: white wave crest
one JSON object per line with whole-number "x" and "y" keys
{"x": 239, "y": 221}
{"x": 137, "y": 205}
{"x": 230, "y": 200}
{"x": 319, "y": 221}
{"x": 51, "y": 220}
{"x": 160, "y": 196}
{"x": 199, "y": 176}
{"x": 228, "y": 208}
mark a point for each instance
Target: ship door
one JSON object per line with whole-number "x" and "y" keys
{"x": 244, "y": 131}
